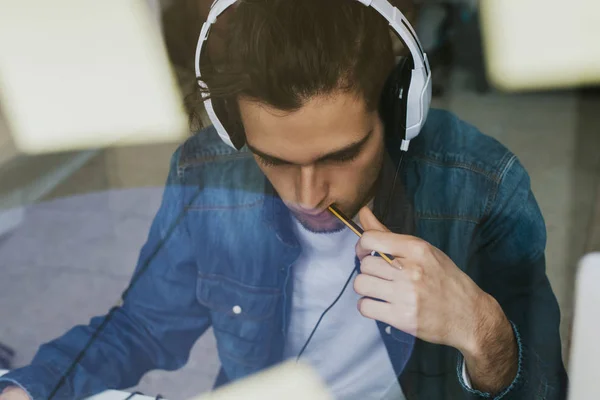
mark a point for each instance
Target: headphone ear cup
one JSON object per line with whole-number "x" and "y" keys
{"x": 394, "y": 102}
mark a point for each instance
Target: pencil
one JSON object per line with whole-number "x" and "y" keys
{"x": 355, "y": 228}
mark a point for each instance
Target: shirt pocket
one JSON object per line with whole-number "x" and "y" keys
{"x": 243, "y": 318}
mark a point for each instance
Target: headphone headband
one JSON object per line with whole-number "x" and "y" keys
{"x": 420, "y": 85}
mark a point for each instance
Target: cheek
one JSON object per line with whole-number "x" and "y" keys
{"x": 365, "y": 169}
{"x": 352, "y": 179}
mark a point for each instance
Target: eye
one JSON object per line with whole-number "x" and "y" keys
{"x": 343, "y": 158}
{"x": 264, "y": 162}
{"x": 267, "y": 163}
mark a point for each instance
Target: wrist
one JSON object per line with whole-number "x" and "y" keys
{"x": 480, "y": 316}
{"x": 489, "y": 324}
{"x": 491, "y": 357}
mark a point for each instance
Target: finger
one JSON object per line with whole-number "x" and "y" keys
{"x": 369, "y": 286}
{"x": 397, "y": 245}
{"x": 373, "y": 240}
{"x": 386, "y": 313}
{"x": 361, "y": 251}
{"x": 369, "y": 221}
{"x": 364, "y": 248}
{"x": 376, "y": 310}
{"x": 379, "y": 268}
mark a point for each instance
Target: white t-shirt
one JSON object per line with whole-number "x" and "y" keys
{"x": 347, "y": 349}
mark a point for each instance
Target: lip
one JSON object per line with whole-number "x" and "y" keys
{"x": 321, "y": 216}
{"x": 315, "y": 215}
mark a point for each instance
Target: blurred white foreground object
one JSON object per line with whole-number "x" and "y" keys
{"x": 584, "y": 373}
{"x": 541, "y": 44}
{"x": 79, "y": 74}
{"x": 289, "y": 381}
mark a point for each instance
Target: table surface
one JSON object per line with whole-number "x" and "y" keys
{"x": 109, "y": 394}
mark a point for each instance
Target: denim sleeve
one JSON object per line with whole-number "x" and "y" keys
{"x": 154, "y": 328}
{"x": 510, "y": 257}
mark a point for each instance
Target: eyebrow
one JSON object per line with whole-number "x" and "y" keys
{"x": 349, "y": 149}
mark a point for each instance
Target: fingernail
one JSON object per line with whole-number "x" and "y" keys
{"x": 396, "y": 263}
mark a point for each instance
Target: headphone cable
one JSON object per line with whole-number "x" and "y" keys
{"x": 389, "y": 199}
{"x": 145, "y": 267}
{"x": 387, "y": 207}
{"x": 323, "y": 315}
{"x": 110, "y": 314}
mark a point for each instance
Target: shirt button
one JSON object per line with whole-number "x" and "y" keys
{"x": 237, "y": 309}
{"x": 388, "y": 329}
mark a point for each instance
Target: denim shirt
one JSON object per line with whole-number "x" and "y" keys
{"x": 220, "y": 250}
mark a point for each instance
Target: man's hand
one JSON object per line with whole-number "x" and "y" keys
{"x": 425, "y": 294}
{"x": 14, "y": 393}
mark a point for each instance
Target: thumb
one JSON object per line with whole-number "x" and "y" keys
{"x": 369, "y": 221}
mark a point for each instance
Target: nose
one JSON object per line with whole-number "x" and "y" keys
{"x": 311, "y": 190}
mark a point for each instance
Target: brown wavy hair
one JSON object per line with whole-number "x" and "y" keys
{"x": 283, "y": 52}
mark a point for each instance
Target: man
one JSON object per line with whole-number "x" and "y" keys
{"x": 243, "y": 242}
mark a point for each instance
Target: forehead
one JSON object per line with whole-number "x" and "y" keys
{"x": 322, "y": 124}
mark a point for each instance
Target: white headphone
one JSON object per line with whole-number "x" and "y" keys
{"x": 419, "y": 88}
